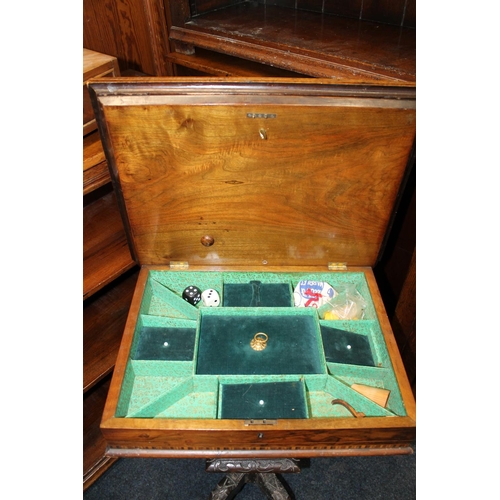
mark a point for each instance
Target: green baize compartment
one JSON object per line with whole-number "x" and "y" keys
{"x": 300, "y": 348}
{"x": 293, "y": 345}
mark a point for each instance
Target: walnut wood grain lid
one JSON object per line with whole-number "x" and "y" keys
{"x": 234, "y": 172}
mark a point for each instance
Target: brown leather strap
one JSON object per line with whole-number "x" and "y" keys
{"x": 345, "y": 404}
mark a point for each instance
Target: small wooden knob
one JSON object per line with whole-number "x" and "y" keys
{"x": 207, "y": 241}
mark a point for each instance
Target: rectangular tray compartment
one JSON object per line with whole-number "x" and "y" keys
{"x": 166, "y": 343}
{"x": 263, "y": 400}
{"x": 342, "y": 346}
{"x": 210, "y": 348}
{"x": 293, "y": 347}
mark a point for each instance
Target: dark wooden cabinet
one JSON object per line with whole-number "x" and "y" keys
{"x": 109, "y": 278}
{"x": 354, "y": 43}
{"x": 133, "y": 31}
{"x": 396, "y": 274}
{"x": 372, "y": 42}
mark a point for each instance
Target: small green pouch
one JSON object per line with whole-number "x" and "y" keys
{"x": 269, "y": 400}
{"x": 257, "y": 294}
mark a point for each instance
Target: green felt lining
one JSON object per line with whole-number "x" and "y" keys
{"x": 257, "y": 379}
{"x": 145, "y": 383}
{"x": 345, "y": 347}
{"x": 173, "y": 389}
{"x": 166, "y": 344}
{"x": 161, "y": 301}
{"x": 257, "y": 294}
{"x": 159, "y": 397}
{"x": 156, "y": 368}
{"x": 155, "y": 394}
{"x": 263, "y": 400}
{"x": 376, "y": 377}
{"x": 148, "y": 321}
{"x": 369, "y": 329}
{"x": 199, "y": 402}
{"x": 294, "y": 345}
{"x": 177, "y": 281}
{"x": 320, "y": 394}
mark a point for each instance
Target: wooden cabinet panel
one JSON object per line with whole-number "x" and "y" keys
{"x": 144, "y": 35}
{"x": 205, "y": 62}
{"x": 95, "y": 167}
{"x": 106, "y": 259}
{"x": 103, "y": 323}
{"x": 310, "y": 43}
{"x": 384, "y": 11}
{"x": 410, "y": 17}
{"x": 95, "y": 65}
{"x": 134, "y": 31}
{"x": 94, "y": 445}
{"x": 404, "y": 323}
{"x": 348, "y": 8}
{"x": 106, "y": 254}
{"x": 96, "y": 177}
{"x": 100, "y": 27}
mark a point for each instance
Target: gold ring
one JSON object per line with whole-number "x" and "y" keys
{"x": 259, "y": 341}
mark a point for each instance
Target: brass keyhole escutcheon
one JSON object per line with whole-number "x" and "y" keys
{"x": 207, "y": 240}
{"x": 263, "y": 133}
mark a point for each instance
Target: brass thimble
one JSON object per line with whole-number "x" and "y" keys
{"x": 259, "y": 341}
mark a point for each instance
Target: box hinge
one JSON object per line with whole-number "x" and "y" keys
{"x": 179, "y": 264}
{"x": 264, "y": 421}
{"x": 337, "y": 266}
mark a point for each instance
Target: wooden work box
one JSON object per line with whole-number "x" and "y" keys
{"x": 251, "y": 188}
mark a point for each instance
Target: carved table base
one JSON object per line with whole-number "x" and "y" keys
{"x": 261, "y": 472}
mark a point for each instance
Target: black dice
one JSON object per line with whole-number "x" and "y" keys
{"x": 192, "y": 294}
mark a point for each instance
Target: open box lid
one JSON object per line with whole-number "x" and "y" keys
{"x": 233, "y": 172}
